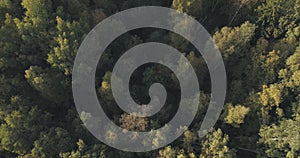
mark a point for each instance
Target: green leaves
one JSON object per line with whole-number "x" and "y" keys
{"x": 275, "y": 17}
{"x": 53, "y": 142}
{"x": 21, "y": 127}
{"x": 191, "y": 7}
{"x": 51, "y": 84}
{"x": 215, "y": 145}
{"x": 234, "y": 40}
{"x": 236, "y": 115}
{"x": 281, "y": 140}
{"x": 271, "y": 96}
{"x": 39, "y": 40}
{"x": 291, "y": 74}
{"x": 69, "y": 36}
{"x": 85, "y": 151}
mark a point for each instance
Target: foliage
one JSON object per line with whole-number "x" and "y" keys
{"x": 236, "y": 115}
{"x": 281, "y": 140}
{"x": 215, "y": 145}
{"x": 234, "y": 40}
{"x": 276, "y": 16}
{"x": 258, "y": 39}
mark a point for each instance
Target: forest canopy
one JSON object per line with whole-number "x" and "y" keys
{"x": 259, "y": 41}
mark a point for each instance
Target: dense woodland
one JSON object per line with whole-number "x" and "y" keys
{"x": 259, "y": 41}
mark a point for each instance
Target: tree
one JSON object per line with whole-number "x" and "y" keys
{"x": 234, "y": 45}
{"x": 290, "y": 75}
{"x": 275, "y": 17}
{"x": 32, "y": 28}
{"x": 52, "y": 142}
{"x": 39, "y": 41}
{"x": 10, "y": 47}
{"x": 20, "y": 127}
{"x": 86, "y": 151}
{"x": 215, "y": 145}
{"x": 131, "y": 122}
{"x": 190, "y": 7}
{"x": 189, "y": 138}
{"x": 69, "y": 36}
{"x": 9, "y": 7}
{"x": 49, "y": 83}
{"x": 234, "y": 40}
{"x": 37, "y": 12}
{"x": 282, "y": 140}
{"x": 236, "y": 115}
{"x": 267, "y": 66}
{"x": 167, "y": 152}
{"x": 270, "y": 98}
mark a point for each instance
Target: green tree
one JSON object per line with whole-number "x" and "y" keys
{"x": 282, "y": 140}
{"x": 267, "y": 66}
{"x": 167, "y": 152}
{"x": 9, "y": 7}
{"x": 10, "y": 47}
{"x": 52, "y": 142}
{"x": 20, "y": 127}
{"x": 291, "y": 74}
{"x": 270, "y": 98}
{"x": 34, "y": 26}
{"x": 234, "y": 45}
{"x": 37, "y": 12}
{"x": 215, "y": 145}
{"x": 86, "y": 151}
{"x": 67, "y": 42}
{"x": 191, "y": 7}
{"x": 51, "y": 84}
{"x": 236, "y": 115}
{"x": 275, "y": 17}
{"x": 234, "y": 40}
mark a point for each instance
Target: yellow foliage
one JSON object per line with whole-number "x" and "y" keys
{"x": 236, "y": 115}
{"x": 105, "y": 85}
